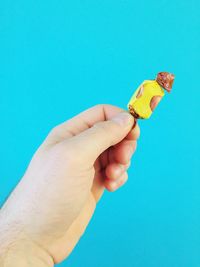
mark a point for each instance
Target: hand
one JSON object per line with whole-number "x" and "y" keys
{"x": 57, "y": 196}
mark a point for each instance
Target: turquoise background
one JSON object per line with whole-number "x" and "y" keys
{"x": 58, "y": 58}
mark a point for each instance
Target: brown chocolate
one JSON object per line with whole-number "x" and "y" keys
{"x": 140, "y": 92}
{"x": 165, "y": 79}
{"x": 155, "y": 101}
{"x": 132, "y": 111}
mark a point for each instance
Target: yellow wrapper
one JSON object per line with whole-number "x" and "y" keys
{"x": 141, "y": 99}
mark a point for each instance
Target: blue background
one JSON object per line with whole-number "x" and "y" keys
{"x": 53, "y": 51}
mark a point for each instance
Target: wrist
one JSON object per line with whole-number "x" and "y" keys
{"x": 18, "y": 250}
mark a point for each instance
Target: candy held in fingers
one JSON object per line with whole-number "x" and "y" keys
{"x": 148, "y": 95}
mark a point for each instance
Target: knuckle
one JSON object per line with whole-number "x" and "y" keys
{"x": 123, "y": 180}
{"x": 110, "y": 188}
{"x": 101, "y": 106}
{"x": 54, "y": 131}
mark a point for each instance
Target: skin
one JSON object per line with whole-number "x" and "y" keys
{"x": 49, "y": 210}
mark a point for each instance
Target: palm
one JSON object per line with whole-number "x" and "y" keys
{"x": 65, "y": 245}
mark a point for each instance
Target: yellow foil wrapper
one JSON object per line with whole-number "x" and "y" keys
{"x": 140, "y": 103}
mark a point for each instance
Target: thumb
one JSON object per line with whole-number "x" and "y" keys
{"x": 95, "y": 140}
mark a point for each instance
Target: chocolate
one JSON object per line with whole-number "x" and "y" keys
{"x": 132, "y": 111}
{"x": 155, "y": 101}
{"x": 165, "y": 79}
{"x": 140, "y": 92}
{"x": 148, "y": 95}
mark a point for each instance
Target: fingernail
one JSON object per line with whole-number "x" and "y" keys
{"x": 123, "y": 119}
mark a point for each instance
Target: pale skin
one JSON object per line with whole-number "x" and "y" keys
{"x": 49, "y": 210}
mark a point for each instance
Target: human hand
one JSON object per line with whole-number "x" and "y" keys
{"x": 57, "y": 196}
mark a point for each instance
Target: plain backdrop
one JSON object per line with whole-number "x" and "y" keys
{"x": 58, "y": 58}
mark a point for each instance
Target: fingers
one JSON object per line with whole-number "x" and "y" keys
{"x": 115, "y": 170}
{"x": 119, "y": 158}
{"x": 82, "y": 122}
{"x": 116, "y": 175}
{"x": 122, "y": 152}
{"x": 134, "y": 134}
{"x": 104, "y": 134}
{"x": 112, "y": 185}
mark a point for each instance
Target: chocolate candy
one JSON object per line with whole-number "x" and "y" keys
{"x": 165, "y": 79}
{"x": 148, "y": 95}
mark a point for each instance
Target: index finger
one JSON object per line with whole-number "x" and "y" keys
{"x": 86, "y": 120}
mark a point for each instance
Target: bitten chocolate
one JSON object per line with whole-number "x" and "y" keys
{"x": 148, "y": 95}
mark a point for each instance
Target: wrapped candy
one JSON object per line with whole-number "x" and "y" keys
{"x": 148, "y": 95}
